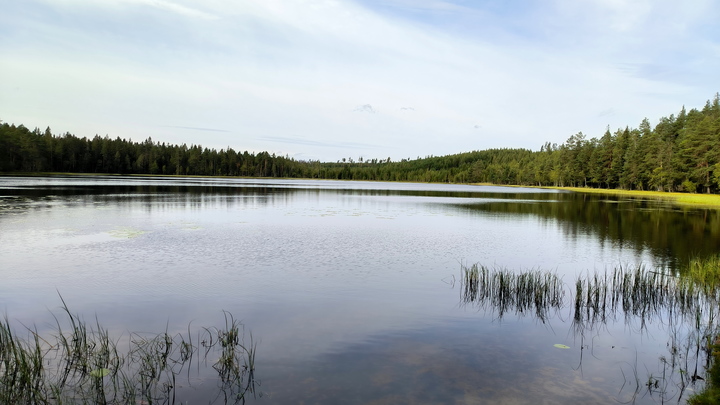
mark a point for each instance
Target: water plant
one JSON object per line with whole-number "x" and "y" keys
{"x": 711, "y": 394}
{"x": 80, "y": 363}
{"x": 684, "y": 303}
{"x": 502, "y": 290}
{"x": 706, "y": 274}
{"x": 236, "y": 359}
{"x": 639, "y": 294}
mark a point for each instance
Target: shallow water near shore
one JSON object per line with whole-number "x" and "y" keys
{"x": 352, "y": 290}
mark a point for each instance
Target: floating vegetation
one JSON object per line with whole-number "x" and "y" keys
{"x": 99, "y": 372}
{"x": 536, "y": 292}
{"x": 561, "y": 346}
{"x": 126, "y": 233}
{"x": 80, "y": 363}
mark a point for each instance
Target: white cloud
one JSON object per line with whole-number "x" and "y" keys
{"x": 173, "y": 7}
{"x": 166, "y": 5}
{"x": 287, "y": 76}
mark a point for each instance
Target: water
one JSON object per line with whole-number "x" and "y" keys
{"x": 350, "y": 288}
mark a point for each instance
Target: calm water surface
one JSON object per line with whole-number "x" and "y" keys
{"x": 350, "y": 288}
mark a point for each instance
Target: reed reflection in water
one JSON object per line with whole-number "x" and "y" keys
{"x": 502, "y": 290}
{"x": 684, "y": 308}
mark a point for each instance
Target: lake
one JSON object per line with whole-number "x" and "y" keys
{"x": 353, "y": 291}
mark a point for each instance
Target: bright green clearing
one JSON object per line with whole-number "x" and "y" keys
{"x": 703, "y": 200}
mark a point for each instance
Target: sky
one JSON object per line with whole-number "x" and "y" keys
{"x": 332, "y": 79}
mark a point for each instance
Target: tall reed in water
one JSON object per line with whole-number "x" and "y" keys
{"x": 502, "y": 290}
{"x": 640, "y": 294}
{"x": 80, "y": 363}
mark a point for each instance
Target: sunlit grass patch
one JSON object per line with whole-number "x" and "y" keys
{"x": 705, "y": 272}
{"x": 704, "y": 200}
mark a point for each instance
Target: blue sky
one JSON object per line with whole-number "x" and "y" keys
{"x": 322, "y": 79}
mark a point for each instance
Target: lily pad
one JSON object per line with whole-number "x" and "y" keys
{"x": 561, "y": 346}
{"x": 99, "y": 372}
{"x": 126, "y": 233}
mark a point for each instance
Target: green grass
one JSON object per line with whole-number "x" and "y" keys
{"x": 79, "y": 363}
{"x": 690, "y": 199}
{"x": 704, "y": 272}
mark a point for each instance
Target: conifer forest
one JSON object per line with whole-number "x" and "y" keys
{"x": 680, "y": 153}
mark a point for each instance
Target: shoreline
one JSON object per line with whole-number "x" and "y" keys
{"x": 684, "y": 199}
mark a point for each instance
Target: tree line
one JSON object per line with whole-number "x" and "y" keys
{"x": 681, "y": 153}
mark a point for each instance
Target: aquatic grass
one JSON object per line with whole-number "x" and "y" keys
{"x": 21, "y": 367}
{"x": 235, "y": 360}
{"x": 82, "y": 363}
{"x": 683, "y": 302}
{"x": 503, "y": 290}
{"x": 711, "y": 394}
{"x": 634, "y": 293}
{"x": 642, "y": 295}
{"x": 704, "y": 272}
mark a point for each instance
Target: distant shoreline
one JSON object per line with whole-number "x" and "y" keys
{"x": 685, "y": 199}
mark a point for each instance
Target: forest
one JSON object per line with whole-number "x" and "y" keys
{"x": 681, "y": 153}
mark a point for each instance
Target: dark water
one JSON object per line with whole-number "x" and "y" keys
{"x": 351, "y": 288}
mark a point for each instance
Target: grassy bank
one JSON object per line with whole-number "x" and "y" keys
{"x": 690, "y": 199}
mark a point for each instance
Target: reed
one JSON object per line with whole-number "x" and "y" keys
{"x": 705, "y": 273}
{"x": 684, "y": 304}
{"x": 21, "y": 367}
{"x": 642, "y": 295}
{"x": 81, "y": 363}
{"x": 501, "y": 290}
{"x": 237, "y": 358}
{"x": 711, "y": 394}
